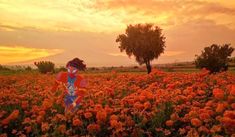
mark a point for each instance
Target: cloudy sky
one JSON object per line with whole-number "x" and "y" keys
{"x": 59, "y": 30}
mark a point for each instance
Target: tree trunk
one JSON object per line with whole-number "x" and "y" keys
{"x": 148, "y": 66}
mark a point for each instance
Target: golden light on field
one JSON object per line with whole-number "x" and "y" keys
{"x": 19, "y": 54}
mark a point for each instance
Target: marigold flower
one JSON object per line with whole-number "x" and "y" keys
{"x": 215, "y": 128}
{"x": 101, "y": 116}
{"x": 113, "y": 117}
{"x": 169, "y": 123}
{"x": 147, "y": 105}
{"x": 28, "y": 129}
{"x": 174, "y": 116}
{"x": 218, "y": 93}
{"x": 204, "y": 116}
{"x": 62, "y": 128}
{"x": 201, "y": 92}
{"x": 93, "y": 128}
{"x": 77, "y": 122}
{"x": 44, "y": 127}
{"x": 230, "y": 114}
{"x": 203, "y": 129}
{"x": 220, "y": 108}
{"x": 24, "y": 104}
{"x": 14, "y": 115}
{"x": 196, "y": 122}
{"x": 232, "y": 90}
{"x": 88, "y": 115}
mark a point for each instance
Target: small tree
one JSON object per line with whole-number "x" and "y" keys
{"x": 45, "y": 66}
{"x": 214, "y": 58}
{"x": 144, "y": 41}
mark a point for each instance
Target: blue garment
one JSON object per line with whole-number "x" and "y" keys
{"x": 71, "y": 97}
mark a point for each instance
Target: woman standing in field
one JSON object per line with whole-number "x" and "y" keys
{"x": 73, "y": 84}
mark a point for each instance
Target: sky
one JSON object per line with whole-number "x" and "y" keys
{"x": 59, "y": 30}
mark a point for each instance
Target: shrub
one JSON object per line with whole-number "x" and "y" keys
{"x": 45, "y": 66}
{"x": 3, "y": 67}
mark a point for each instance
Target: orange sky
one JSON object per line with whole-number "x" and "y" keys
{"x": 58, "y": 30}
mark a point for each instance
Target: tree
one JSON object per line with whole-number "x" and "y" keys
{"x": 145, "y": 41}
{"x": 214, "y": 58}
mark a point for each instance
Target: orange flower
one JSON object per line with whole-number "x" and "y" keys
{"x": 193, "y": 114}
{"x": 203, "y": 129}
{"x": 169, "y": 123}
{"x": 14, "y": 115}
{"x": 230, "y": 114}
{"x": 39, "y": 119}
{"x": 42, "y": 113}
{"x": 93, "y": 128}
{"x": 28, "y": 129}
{"x": 201, "y": 92}
{"x": 220, "y": 108}
{"x": 24, "y": 104}
{"x": 204, "y": 116}
{"x": 232, "y": 90}
{"x": 116, "y": 124}
{"x": 88, "y": 115}
{"x": 233, "y": 106}
{"x": 218, "y": 93}
{"x": 62, "y": 128}
{"x": 27, "y": 120}
{"x": 196, "y": 122}
{"x": 113, "y": 117}
{"x": 147, "y": 105}
{"x": 174, "y": 116}
{"x": 44, "y": 127}
{"x": 101, "y": 116}
{"x": 77, "y": 122}
{"x": 46, "y": 104}
{"x": 129, "y": 121}
{"x": 215, "y": 128}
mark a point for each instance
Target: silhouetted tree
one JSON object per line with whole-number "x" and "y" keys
{"x": 145, "y": 41}
{"x": 214, "y": 58}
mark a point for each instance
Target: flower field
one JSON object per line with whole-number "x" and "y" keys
{"x": 121, "y": 104}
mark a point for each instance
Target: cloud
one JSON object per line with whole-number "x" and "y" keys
{"x": 118, "y": 54}
{"x": 172, "y": 53}
{"x": 168, "y": 13}
{"x": 111, "y": 15}
{"x": 19, "y": 53}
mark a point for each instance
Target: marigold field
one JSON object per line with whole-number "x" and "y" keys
{"x": 121, "y": 104}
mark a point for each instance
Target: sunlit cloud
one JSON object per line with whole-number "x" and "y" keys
{"x": 19, "y": 53}
{"x": 111, "y": 15}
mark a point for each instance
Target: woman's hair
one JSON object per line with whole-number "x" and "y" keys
{"x": 77, "y": 63}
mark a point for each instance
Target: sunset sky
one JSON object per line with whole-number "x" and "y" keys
{"x": 59, "y": 30}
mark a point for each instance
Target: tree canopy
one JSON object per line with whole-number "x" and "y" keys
{"x": 214, "y": 58}
{"x": 144, "y": 41}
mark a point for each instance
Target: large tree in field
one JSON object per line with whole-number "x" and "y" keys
{"x": 214, "y": 58}
{"x": 145, "y": 41}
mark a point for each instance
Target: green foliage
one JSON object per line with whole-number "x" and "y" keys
{"x": 214, "y": 58}
{"x": 145, "y": 41}
{"x": 45, "y": 66}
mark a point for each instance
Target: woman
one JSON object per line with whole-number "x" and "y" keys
{"x": 73, "y": 83}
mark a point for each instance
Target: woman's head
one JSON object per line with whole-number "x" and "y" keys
{"x": 74, "y": 65}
